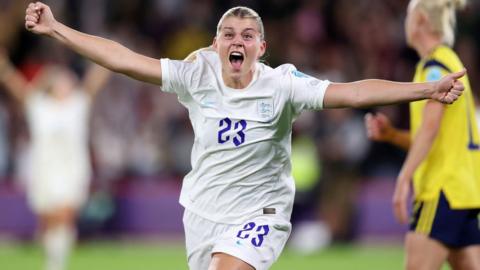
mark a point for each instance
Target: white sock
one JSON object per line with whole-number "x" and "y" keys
{"x": 58, "y": 242}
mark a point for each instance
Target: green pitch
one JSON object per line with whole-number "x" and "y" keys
{"x": 131, "y": 255}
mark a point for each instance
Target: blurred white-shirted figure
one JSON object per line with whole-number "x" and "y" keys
{"x": 59, "y": 136}
{"x": 239, "y": 194}
{"x": 57, "y": 113}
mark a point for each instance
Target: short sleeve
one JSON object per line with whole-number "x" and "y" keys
{"x": 176, "y": 76}
{"x": 307, "y": 92}
{"x": 434, "y": 70}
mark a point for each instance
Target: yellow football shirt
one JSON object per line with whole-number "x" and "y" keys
{"x": 453, "y": 163}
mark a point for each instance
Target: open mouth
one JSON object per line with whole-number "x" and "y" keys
{"x": 236, "y": 59}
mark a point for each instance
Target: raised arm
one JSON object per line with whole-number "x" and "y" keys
{"x": 368, "y": 93}
{"x": 107, "y": 53}
{"x": 95, "y": 79}
{"x": 12, "y": 79}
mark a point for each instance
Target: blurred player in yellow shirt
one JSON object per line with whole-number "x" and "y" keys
{"x": 444, "y": 154}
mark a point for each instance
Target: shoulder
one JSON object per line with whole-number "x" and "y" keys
{"x": 439, "y": 63}
{"x": 178, "y": 74}
{"x": 207, "y": 57}
{"x": 444, "y": 59}
{"x": 286, "y": 69}
{"x": 282, "y": 71}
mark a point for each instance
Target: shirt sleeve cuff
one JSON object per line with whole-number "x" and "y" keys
{"x": 164, "y": 63}
{"x": 324, "y": 85}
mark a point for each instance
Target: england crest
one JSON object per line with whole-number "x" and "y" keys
{"x": 265, "y": 108}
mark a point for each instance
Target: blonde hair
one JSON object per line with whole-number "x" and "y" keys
{"x": 243, "y": 13}
{"x": 441, "y": 14}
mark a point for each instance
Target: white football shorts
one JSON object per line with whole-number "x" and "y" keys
{"x": 257, "y": 241}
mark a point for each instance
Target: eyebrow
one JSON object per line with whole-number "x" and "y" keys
{"x": 244, "y": 30}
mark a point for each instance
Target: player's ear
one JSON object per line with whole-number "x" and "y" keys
{"x": 422, "y": 19}
{"x": 263, "y": 48}
{"x": 214, "y": 44}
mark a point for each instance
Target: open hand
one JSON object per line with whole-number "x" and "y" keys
{"x": 39, "y": 18}
{"x": 449, "y": 88}
{"x": 400, "y": 201}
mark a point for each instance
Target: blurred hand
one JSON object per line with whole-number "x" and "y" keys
{"x": 39, "y": 18}
{"x": 378, "y": 127}
{"x": 400, "y": 200}
{"x": 449, "y": 88}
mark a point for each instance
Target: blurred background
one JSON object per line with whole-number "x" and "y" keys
{"x": 140, "y": 138}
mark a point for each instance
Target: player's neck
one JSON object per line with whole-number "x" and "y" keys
{"x": 239, "y": 81}
{"x": 427, "y": 46}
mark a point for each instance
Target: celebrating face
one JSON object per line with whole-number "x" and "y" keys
{"x": 239, "y": 45}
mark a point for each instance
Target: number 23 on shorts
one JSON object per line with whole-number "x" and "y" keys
{"x": 256, "y": 235}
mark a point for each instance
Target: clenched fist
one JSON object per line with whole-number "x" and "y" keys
{"x": 39, "y": 18}
{"x": 449, "y": 88}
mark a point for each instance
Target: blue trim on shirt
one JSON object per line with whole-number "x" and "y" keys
{"x": 435, "y": 63}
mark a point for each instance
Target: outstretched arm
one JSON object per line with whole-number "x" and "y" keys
{"x": 107, "y": 53}
{"x": 368, "y": 93}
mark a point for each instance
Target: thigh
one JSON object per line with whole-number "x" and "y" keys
{"x": 423, "y": 252}
{"x": 257, "y": 242}
{"x": 467, "y": 258}
{"x": 199, "y": 235}
{"x": 222, "y": 261}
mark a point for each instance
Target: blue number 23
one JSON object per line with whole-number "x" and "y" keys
{"x": 226, "y": 125}
{"x": 261, "y": 232}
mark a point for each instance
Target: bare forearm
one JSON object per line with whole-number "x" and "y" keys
{"x": 13, "y": 81}
{"x": 92, "y": 47}
{"x": 417, "y": 153}
{"x": 374, "y": 92}
{"x": 400, "y": 138}
{"x": 109, "y": 54}
{"x": 425, "y": 137}
{"x": 95, "y": 79}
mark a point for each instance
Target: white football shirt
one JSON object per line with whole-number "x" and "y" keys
{"x": 60, "y": 164}
{"x": 241, "y": 152}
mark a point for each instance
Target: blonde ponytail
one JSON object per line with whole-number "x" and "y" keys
{"x": 442, "y": 16}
